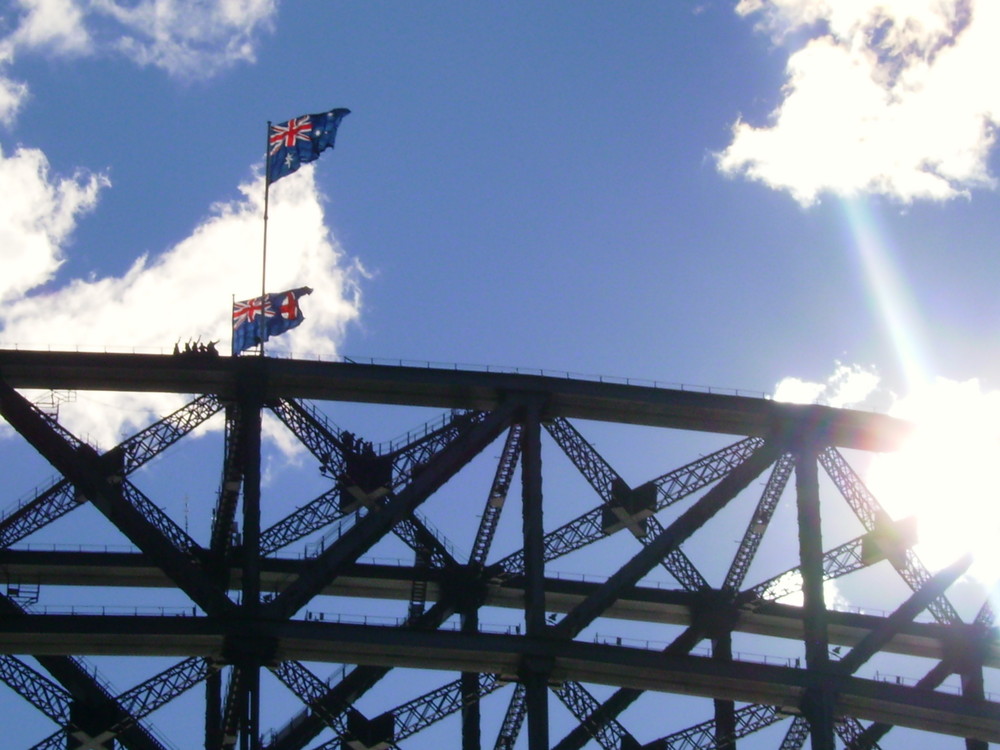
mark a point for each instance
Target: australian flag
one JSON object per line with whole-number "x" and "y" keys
{"x": 300, "y": 140}
{"x": 280, "y": 313}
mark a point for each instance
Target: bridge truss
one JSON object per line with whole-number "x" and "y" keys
{"x": 701, "y": 615}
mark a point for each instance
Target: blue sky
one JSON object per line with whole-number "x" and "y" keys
{"x": 759, "y": 195}
{"x": 517, "y": 185}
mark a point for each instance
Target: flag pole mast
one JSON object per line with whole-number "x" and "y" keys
{"x": 263, "y": 267}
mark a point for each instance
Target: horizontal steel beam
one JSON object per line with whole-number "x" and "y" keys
{"x": 453, "y": 389}
{"x": 642, "y": 603}
{"x": 502, "y": 654}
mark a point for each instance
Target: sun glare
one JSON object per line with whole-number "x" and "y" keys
{"x": 945, "y": 475}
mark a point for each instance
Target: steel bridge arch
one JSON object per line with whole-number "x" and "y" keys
{"x": 253, "y": 611}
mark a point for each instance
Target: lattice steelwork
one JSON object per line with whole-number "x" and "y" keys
{"x": 703, "y": 578}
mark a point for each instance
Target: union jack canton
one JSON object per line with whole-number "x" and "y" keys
{"x": 300, "y": 140}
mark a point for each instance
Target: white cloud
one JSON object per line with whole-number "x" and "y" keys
{"x": 189, "y": 38}
{"x": 187, "y": 293}
{"x": 897, "y": 24}
{"x": 37, "y": 215}
{"x": 12, "y": 96}
{"x": 890, "y": 97}
{"x": 13, "y": 93}
{"x": 56, "y": 24}
{"x": 794, "y": 390}
{"x": 185, "y": 38}
{"x": 850, "y": 386}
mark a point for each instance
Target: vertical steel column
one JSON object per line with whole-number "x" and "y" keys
{"x": 534, "y": 533}
{"x": 972, "y": 656}
{"x": 817, "y": 703}
{"x": 973, "y": 686}
{"x": 251, "y": 404}
{"x": 536, "y": 695}
{"x": 534, "y": 676}
{"x": 470, "y": 692}
{"x": 250, "y": 408}
{"x": 213, "y": 710}
{"x": 725, "y": 710}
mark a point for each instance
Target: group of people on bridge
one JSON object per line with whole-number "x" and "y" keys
{"x": 196, "y": 347}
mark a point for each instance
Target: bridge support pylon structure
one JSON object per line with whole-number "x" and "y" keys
{"x": 537, "y": 562}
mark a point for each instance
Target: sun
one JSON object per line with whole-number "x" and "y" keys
{"x": 945, "y": 475}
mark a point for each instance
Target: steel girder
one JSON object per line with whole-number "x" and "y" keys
{"x": 262, "y": 626}
{"x": 128, "y": 456}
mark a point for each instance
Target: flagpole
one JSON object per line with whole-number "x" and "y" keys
{"x": 263, "y": 268}
{"x": 232, "y": 336}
